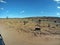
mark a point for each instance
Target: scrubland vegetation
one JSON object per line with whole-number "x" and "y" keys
{"x": 37, "y": 28}
{"x": 46, "y": 25}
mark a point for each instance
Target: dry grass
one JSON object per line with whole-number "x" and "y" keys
{"x": 19, "y": 32}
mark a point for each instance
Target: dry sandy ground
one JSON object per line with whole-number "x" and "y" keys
{"x": 13, "y": 37}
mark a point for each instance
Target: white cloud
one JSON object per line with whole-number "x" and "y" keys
{"x": 58, "y": 1}
{"x": 58, "y": 7}
{"x": 2, "y": 1}
{"x": 22, "y": 11}
{"x": 58, "y": 13}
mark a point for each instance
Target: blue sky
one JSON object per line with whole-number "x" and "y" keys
{"x": 29, "y": 8}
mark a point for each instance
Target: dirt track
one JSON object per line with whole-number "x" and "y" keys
{"x": 12, "y": 37}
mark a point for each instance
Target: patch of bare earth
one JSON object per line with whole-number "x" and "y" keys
{"x": 13, "y": 37}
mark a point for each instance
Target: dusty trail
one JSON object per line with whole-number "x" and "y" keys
{"x": 12, "y": 37}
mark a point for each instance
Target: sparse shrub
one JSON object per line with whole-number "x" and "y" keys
{"x": 37, "y": 29}
{"x": 56, "y": 24}
{"x": 39, "y": 21}
{"x": 53, "y": 27}
{"x": 55, "y": 21}
{"x": 32, "y": 20}
{"x": 37, "y": 25}
{"x": 25, "y": 22}
{"x": 48, "y": 25}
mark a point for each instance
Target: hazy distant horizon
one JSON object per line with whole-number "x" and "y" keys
{"x": 28, "y": 17}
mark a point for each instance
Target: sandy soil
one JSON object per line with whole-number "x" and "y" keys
{"x": 13, "y": 37}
